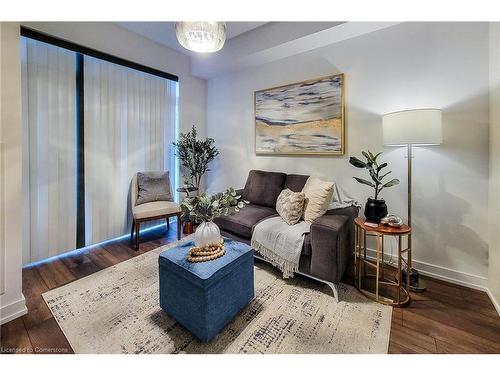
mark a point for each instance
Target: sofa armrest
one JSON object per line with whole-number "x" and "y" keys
{"x": 331, "y": 246}
{"x": 351, "y": 211}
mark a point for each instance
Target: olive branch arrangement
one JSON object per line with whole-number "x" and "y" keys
{"x": 195, "y": 155}
{"x": 206, "y": 207}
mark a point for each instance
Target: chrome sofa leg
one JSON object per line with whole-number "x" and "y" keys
{"x": 334, "y": 288}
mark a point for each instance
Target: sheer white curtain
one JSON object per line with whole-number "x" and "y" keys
{"x": 49, "y": 152}
{"x": 130, "y": 124}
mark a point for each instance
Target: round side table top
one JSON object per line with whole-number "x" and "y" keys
{"x": 383, "y": 229}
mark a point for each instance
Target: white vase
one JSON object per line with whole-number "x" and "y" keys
{"x": 207, "y": 233}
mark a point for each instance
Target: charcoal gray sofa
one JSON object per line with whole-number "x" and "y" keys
{"x": 329, "y": 246}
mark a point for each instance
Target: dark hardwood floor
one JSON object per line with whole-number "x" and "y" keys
{"x": 447, "y": 318}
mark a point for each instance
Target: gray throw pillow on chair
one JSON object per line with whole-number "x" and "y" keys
{"x": 152, "y": 187}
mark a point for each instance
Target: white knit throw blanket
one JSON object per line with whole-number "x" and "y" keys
{"x": 280, "y": 243}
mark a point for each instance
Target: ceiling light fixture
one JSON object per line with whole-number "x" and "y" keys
{"x": 205, "y": 37}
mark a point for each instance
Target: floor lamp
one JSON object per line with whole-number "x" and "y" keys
{"x": 419, "y": 127}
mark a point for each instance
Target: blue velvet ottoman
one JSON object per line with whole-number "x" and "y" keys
{"x": 205, "y": 296}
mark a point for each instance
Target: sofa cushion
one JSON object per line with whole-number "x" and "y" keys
{"x": 295, "y": 182}
{"x": 153, "y": 209}
{"x": 263, "y": 187}
{"x": 241, "y": 223}
{"x": 318, "y": 197}
{"x": 290, "y": 206}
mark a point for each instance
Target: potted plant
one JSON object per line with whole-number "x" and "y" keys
{"x": 205, "y": 208}
{"x": 195, "y": 156}
{"x": 375, "y": 208}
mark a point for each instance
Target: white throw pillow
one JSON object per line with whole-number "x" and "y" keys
{"x": 318, "y": 196}
{"x": 290, "y": 206}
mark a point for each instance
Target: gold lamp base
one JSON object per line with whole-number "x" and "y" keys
{"x": 417, "y": 285}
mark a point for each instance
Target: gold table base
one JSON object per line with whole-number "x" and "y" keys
{"x": 381, "y": 285}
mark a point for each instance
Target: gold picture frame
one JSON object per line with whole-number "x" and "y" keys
{"x": 301, "y": 118}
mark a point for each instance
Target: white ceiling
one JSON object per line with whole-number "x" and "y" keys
{"x": 164, "y": 32}
{"x": 255, "y": 43}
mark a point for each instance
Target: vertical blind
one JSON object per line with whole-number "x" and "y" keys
{"x": 49, "y": 110}
{"x": 129, "y": 125}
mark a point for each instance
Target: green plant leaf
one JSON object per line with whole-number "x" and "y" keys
{"x": 382, "y": 177}
{"x": 364, "y": 182}
{"x": 194, "y": 155}
{"x": 381, "y": 166}
{"x": 356, "y": 162}
{"x": 393, "y": 182}
{"x": 374, "y": 169}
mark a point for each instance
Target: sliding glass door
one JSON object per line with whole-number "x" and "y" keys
{"x": 89, "y": 125}
{"x": 49, "y": 110}
{"x": 129, "y": 118}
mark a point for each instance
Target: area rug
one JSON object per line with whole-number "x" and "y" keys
{"x": 116, "y": 310}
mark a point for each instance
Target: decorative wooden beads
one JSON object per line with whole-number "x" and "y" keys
{"x": 204, "y": 254}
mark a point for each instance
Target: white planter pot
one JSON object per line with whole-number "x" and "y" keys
{"x": 207, "y": 233}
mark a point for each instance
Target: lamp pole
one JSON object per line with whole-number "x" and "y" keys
{"x": 409, "y": 128}
{"x": 420, "y": 285}
{"x": 410, "y": 156}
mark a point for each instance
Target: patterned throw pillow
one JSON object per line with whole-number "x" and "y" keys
{"x": 318, "y": 197}
{"x": 290, "y": 206}
{"x": 152, "y": 187}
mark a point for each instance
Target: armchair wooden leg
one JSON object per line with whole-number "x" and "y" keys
{"x": 179, "y": 230}
{"x": 132, "y": 230}
{"x": 168, "y": 223}
{"x": 137, "y": 230}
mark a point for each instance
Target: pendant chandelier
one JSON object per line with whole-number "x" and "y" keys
{"x": 202, "y": 37}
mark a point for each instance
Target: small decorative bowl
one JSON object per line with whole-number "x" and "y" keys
{"x": 392, "y": 221}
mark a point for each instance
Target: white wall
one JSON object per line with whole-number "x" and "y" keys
{"x": 411, "y": 65}
{"x": 12, "y": 302}
{"x": 115, "y": 40}
{"x": 494, "y": 198}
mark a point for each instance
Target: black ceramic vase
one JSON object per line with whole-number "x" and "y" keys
{"x": 375, "y": 209}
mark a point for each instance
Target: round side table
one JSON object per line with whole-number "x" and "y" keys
{"x": 374, "y": 285}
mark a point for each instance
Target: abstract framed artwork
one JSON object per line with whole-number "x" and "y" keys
{"x": 304, "y": 118}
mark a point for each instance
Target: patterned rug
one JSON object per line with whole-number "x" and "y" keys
{"x": 116, "y": 310}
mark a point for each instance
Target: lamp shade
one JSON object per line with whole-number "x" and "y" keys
{"x": 416, "y": 127}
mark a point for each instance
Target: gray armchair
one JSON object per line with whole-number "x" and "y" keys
{"x": 151, "y": 211}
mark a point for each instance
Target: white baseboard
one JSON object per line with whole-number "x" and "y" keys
{"x": 13, "y": 310}
{"x": 441, "y": 273}
{"x": 445, "y": 274}
{"x": 493, "y": 300}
